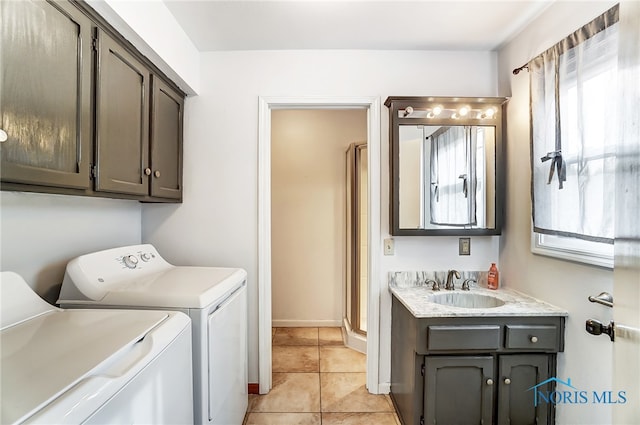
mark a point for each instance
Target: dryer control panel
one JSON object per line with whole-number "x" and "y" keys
{"x": 136, "y": 259}
{"x": 91, "y": 275}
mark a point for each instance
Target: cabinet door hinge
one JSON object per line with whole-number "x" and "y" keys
{"x": 421, "y": 420}
{"x": 94, "y": 171}
{"x": 422, "y": 369}
{"x": 94, "y": 43}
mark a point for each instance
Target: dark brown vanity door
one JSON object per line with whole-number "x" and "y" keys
{"x": 519, "y": 377}
{"x": 166, "y": 141}
{"x": 122, "y": 120}
{"x": 45, "y": 93}
{"x": 458, "y": 390}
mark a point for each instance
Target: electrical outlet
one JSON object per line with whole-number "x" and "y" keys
{"x": 464, "y": 246}
{"x": 389, "y": 246}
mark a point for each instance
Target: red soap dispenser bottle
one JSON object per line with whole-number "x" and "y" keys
{"x": 493, "y": 277}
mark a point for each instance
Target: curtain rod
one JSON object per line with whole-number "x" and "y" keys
{"x": 517, "y": 70}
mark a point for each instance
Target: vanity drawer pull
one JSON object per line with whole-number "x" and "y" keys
{"x": 507, "y": 381}
{"x": 489, "y": 381}
{"x": 534, "y": 337}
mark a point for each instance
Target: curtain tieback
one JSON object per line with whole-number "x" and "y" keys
{"x": 436, "y": 191}
{"x": 465, "y": 187}
{"x": 557, "y": 163}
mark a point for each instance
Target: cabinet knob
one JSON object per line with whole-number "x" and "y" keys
{"x": 507, "y": 381}
{"x": 156, "y": 173}
{"x": 3, "y": 136}
{"x": 533, "y": 339}
{"x": 147, "y": 171}
{"x": 489, "y": 381}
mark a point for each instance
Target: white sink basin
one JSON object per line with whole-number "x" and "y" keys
{"x": 466, "y": 300}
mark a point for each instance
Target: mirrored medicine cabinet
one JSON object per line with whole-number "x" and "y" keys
{"x": 446, "y": 163}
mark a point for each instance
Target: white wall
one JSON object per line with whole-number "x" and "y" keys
{"x": 153, "y": 30}
{"x": 40, "y": 233}
{"x": 587, "y": 359}
{"x": 308, "y": 207}
{"x": 217, "y": 223}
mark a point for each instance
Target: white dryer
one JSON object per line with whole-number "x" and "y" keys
{"x": 91, "y": 366}
{"x": 214, "y": 297}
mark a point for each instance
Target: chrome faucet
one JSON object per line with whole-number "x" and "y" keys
{"x": 450, "y": 285}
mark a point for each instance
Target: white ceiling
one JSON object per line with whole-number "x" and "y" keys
{"x": 359, "y": 24}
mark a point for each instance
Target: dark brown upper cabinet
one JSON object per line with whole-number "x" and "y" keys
{"x": 166, "y": 141}
{"x": 446, "y": 164}
{"x": 122, "y": 119}
{"x": 45, "y": 94}
{"x": 84, "y": 111}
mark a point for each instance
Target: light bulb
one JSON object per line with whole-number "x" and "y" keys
{"x": 463, "y": 111}
{"x": 408, "y": 111}
{"x": 437, "y": 110}
{"x": 489, "y": 113}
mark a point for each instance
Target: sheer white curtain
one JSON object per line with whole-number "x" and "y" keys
{"x": 574, "y": 135}
{"x": 453, "y": 181}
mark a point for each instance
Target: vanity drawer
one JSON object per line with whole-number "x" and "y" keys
{"x": 463, "y": 337}
{"x": 532, "y": 337}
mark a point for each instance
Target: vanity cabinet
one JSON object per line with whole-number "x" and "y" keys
{"x": 472, "y": 370}
{"x": 85, "y": 112}
{"x": 45, "y": 94}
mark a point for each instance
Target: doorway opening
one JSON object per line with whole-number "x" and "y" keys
{"x": 266, "y": 105}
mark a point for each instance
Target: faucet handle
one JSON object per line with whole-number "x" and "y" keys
{"x": 465, "y": 284}
{"x": 435, "y": 285}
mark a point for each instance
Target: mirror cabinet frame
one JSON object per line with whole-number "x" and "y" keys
{"x": 399, "y": 114}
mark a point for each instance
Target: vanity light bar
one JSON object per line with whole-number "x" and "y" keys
{"x": 439, "y": 111}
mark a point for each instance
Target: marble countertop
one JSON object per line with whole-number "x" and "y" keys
{"x": 416, "y": 298}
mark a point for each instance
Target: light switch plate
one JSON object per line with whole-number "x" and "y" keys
{"x": 464, "y": 246}
{"x": 389, "y": 246}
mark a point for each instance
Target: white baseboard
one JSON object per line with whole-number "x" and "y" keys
{"x": 306, "y": 323}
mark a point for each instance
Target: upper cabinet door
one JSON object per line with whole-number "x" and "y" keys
{"x": 45, "y": 93}
{"x": 166, "y": 141}
{"x": 122, "y": 120}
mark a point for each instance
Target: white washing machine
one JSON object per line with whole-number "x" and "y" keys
{"x": 91, "y": 366}
{"x": 215, "y": 299}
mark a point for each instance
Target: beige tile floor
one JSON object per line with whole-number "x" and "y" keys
{"x": 318, "y": 381}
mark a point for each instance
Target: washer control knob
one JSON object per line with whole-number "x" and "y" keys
{"x": 130, "y": 261}
{"x": 145, "y": 256}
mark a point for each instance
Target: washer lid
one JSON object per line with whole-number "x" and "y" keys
{"x": 44, "y": 357}
{"x": 178, "y": 287}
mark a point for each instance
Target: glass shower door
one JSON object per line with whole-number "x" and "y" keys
{"x": 357, "y": 243}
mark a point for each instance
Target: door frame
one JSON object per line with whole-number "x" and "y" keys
{"x": 266, "y": 105}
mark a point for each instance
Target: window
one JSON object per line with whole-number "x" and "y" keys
{"x": 573, "y": 144}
